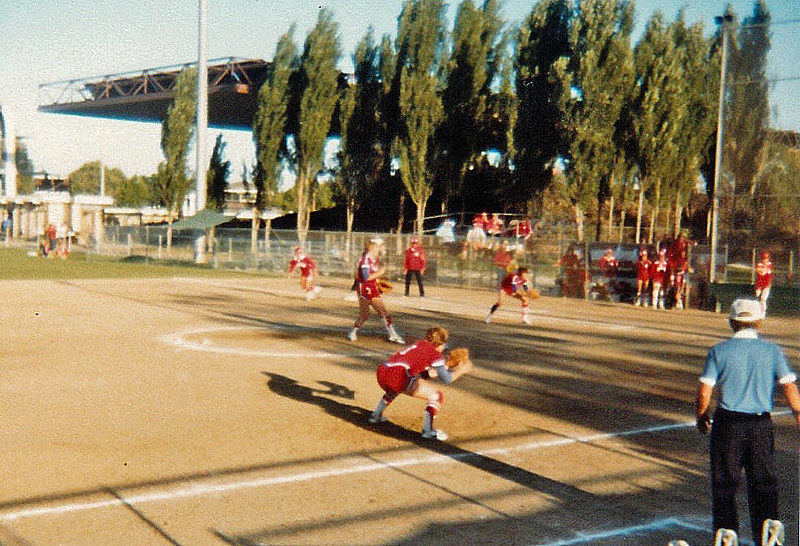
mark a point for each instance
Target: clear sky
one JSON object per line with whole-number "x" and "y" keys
{"x": 44, "y": 41}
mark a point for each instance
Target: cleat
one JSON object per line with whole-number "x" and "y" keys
{"x": 726, "y": 537}
{"x": 773, "y": 533}
{"x": 351, "y": 335}
{"x": 527, "y": 320}
{"x": 434, "y": 434}
{"x": 377, "y": 419}
{"x": 488, "y": 318}
{"x": 395, "y": 338}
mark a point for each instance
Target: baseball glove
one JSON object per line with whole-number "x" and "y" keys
{"x": 533, "y": 293}
{"x": 457, "y": 358}
{"x": 384, "y": 286}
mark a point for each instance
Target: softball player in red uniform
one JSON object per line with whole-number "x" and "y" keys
{"x": 642, "y": 279}
{"x": 408, "y": 372}
{"x": 308, "y": 272}
{"x": 764, "y": 273}
{"x": 517, "y": 285}
{"x": 658, "y": 274}
{"x": 367, "y": 274}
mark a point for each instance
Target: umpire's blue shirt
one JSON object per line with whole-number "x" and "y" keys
{"x": 745, "y": 369}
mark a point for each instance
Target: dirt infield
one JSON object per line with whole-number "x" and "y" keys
{"x": 232, "y": 411}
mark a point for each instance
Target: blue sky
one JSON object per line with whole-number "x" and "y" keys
{"x": 53, "y": 40}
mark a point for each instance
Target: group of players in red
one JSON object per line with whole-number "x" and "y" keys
{"x": 666, "y": 273}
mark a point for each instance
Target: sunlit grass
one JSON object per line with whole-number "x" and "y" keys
{"x": 17, "y": 263}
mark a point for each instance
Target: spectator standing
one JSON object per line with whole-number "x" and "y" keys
{"x": 446, "y": 231}
{"x": 744, "y": 370}
{"x": 414, "y": 265}
{"x": 765, "y": 271}
{"x": 51, "y": 235}
{"x": 494, "y": 227}
{"x": 476, "y": 237}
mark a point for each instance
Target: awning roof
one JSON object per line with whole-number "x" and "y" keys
{"x": 204, "y": 219}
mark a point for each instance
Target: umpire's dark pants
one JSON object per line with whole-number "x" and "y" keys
{"x": 743, "y": 441}
{"x": 418, "y": 275}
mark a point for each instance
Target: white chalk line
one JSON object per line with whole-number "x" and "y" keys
{"x": 199, "y": 489}
{"x": 180, "y": 340}
{"x": 658, "y": 525}
{"x": 204, "y": 489}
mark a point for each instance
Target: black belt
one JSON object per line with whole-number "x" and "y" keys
{"x": 722, "y": 413}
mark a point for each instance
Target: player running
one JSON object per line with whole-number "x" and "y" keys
{"x": 517, "y": 285}
{"x": 367, "y": 274}
{"x": 308, "y": 272}
{"x": 410, "y": 370}
{"x": 765, "y": 271}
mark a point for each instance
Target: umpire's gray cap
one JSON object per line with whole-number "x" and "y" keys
{"x": 746, "y": 310}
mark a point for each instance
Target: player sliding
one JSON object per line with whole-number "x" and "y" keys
{"x": 308, "y": 272}
{"x": 408, "y": 372}
{"x": 517, "y": 285}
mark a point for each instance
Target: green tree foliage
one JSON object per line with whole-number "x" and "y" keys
{"x": 538, "y": 131}
{"x": 699, "y": 60}
{"x": 86, "y": 180}
{"x": 269, "y": 126}
{"x": 658, "y": 109}
{"x": 24, "y": 168}
{"x": 748, "y": 107}
{"x": 473, "y": 63}
{"x": 318, "y": 92}
{"x": 361, "y": 156}
{"x": 421, "y": 37}
{"x": 218, "y": 171}
{"x": 172, "y": 182}
{"x": 596, "y": 78}
{"x": 133, "y": 192}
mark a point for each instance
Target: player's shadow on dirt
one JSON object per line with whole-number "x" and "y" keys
{"x": 356, "y": 415}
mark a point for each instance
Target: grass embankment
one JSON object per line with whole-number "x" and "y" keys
{"x": 18, "y": 264}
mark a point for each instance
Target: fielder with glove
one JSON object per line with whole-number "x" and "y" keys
{"x": 410, "y": 372}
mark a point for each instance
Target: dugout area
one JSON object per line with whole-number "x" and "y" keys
{"x": 232, "y": 411}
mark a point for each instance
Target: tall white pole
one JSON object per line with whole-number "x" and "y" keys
{"x": 9, "y": 152}
{"x": 202, "y": 125}
{"x": 712, "y": 264}
{"x": 202, "y": 106}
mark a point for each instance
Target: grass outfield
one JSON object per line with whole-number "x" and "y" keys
{"x": 16, "y": 264}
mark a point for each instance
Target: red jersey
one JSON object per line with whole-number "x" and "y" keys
{"x": 524, "y": 229}
{"x": 643, "y": 269}
{"x": 608, "y": 265}
{"x": 764, "y": 274}
{"x": 415, "y": 258}
{"x": 402, "y": 368}
{"x": 367, "y": 289}
{"x": 512, "y": 283}
{"x": 306, "y": 265}
{"x": 658, "y": 270}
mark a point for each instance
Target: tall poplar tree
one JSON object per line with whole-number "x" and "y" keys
{"x": 218, "y": 171}
{"x": 658, "y": 111}
{"x": 477, "y": 35}
{"x": 269, "y": 130}
{"x": 318, "y": 81}
{"x": 172, "y": 183}
{"x": 421, "y": 36}
{"x": 539, "y": 132}
{"x": 747, "y": 117}
{"x": 360, "y": 157}
{"x": 596, "y": 79}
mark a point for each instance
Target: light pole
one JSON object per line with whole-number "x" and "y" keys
{"x": 201, "y": 126}
{"x": 723, "y": 21}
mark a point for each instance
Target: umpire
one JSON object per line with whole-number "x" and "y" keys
{"x": 744, "y": 370}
